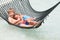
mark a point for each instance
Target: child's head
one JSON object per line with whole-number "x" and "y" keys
{"x": 11, "y": 12}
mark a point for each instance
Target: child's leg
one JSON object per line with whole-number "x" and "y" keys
{"x": 31, "y": 19}
{"x": 23, "y": 25}
{"x": 33, "y": 23}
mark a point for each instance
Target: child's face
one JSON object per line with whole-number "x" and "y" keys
{"x": 11, "y": 14}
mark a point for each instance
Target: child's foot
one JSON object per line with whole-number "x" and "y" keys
{"x": 39, "y": 23}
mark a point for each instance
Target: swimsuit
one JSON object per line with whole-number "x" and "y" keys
{"x": 25, "y": 17}
{"x": 25, "y": 22}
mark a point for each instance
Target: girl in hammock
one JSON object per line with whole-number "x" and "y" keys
{"x": 19, "y": 19}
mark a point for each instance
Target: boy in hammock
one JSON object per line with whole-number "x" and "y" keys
{"x": 21, "y": 20}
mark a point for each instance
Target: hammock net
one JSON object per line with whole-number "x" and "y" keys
{"x": 24, "y": 7}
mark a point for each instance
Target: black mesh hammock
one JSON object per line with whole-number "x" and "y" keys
{"x": 23, "y": 6}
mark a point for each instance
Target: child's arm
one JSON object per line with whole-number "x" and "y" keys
{"x": 11, "y": 20}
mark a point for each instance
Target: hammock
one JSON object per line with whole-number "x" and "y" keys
{"x": 23, "y": 6}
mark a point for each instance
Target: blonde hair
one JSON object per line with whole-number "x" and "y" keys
{"x": 11, "y": 10}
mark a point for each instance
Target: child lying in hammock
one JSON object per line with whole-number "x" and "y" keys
{"x": 21, "y": 20}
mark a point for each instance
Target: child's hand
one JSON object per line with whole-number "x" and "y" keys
{"x": 18, "y": 19}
